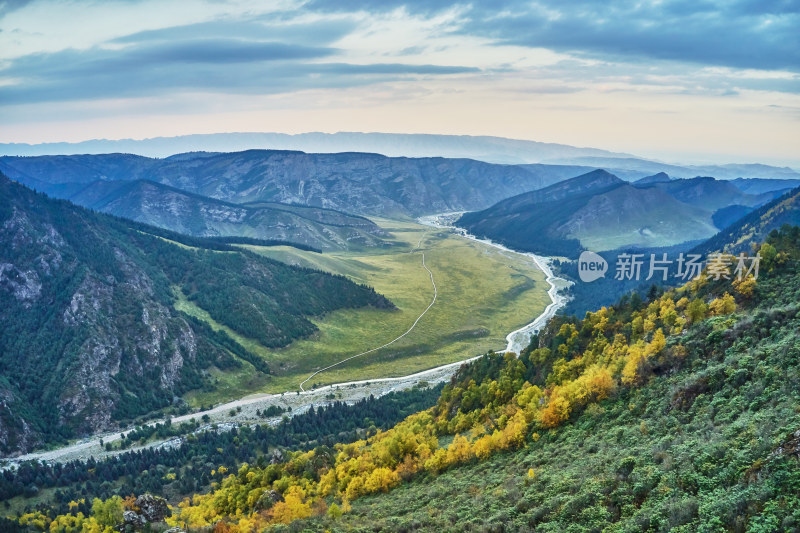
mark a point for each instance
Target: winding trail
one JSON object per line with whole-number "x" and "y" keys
{"x": 433, "y": 301}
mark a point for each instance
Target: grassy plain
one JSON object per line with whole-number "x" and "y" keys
{"x": 483, "y": 294}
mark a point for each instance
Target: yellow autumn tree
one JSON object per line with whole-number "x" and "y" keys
{"x": 723, "y": 305}
{"x": 657, "y": 344}
{"x": 632, "y": 361}
{"x": 745, "y": 286}
{"x": 381, "y": 480}
{"x": 556, "y": 411}
{"x": 293, "y": 506}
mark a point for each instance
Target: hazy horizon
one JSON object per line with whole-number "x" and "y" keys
{"x": 717, "y": 82}
{"x": 700, "y": 159}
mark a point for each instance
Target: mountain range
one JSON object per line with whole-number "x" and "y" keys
{"x": 599, "y": 211}
{"x": 260, "y": 194}
{"x": 167, "y": 207}
{"x": 89, "y": 333}
{"x": 631, "y": 167}
{"x": 367, "y": 184}
{"x": 483, "y": 148}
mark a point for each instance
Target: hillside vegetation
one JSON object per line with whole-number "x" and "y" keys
{"x": 166, "y": 207}
{"x": 88, "y": 332}
{"x": 678, "y": 413}
{"x": 755, "y": 226}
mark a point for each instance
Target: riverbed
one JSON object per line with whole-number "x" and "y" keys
{"x": 245, "y": 410}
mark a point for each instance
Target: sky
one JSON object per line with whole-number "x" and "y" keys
{"x": 679, "y": 80}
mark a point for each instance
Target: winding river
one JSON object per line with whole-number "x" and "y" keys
{"x": 518, "y": 339}
{"x": 244, "y": 410}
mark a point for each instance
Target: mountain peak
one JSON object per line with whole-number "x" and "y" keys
{"x": 595, "y": 179}
{"x": 661, "y": 177}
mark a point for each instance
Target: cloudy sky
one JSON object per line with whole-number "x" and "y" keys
{"x": 689, "y": 80}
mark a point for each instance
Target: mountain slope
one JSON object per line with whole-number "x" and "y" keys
{"x": 661, "y": 177}
{"x": 708, "y": 440}
{"x": 595, "y": 211}
{"x": 759, "y": 186}
{"x": 711, "y": 194}
{"x": 754, "y": 227}
{"x": 176, "y": 210}
{"x": 353, "y": 182}
{"x": 675, "y": 414}
{"x": 88, "y": 332}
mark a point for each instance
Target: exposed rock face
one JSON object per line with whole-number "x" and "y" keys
{"x": 153, "y": 508}
{"x": 148, "y": 509}
{"x": 133, "y": 520}
{"x": 24, "y": 286}
{"x": 268, "y": 499}
{"x": 790, "y": 447}
{"x": 89, "y": 335}
{"x": 111, "y": 328}
{"x": 103, "y": 341}
{"x": 276, "y": 457}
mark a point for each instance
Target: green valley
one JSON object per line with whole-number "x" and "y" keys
{"x": 484, "y": 294}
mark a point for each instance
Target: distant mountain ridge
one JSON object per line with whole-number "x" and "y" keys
{"x": 709, "y": 193}
{"x": 483, "y": 148}
{"x": 596, "y": 211}
{"x": 754, "y": 227}
{"x": 633, "y": 168}
{"x": 366, "y": 184}
{"x": 167, "y": 207}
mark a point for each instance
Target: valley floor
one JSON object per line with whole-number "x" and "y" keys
{"x": 466, "y": 270}
{"x": 483, "y": 294}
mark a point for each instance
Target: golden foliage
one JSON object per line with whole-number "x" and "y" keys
{"x": 724, "y": 305}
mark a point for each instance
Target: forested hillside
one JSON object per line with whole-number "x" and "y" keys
{"x": 755, "y": 226}
{"x": 88, "y": 333}
{"x": 176, "y": 471}
{"x": 679, "y": 412}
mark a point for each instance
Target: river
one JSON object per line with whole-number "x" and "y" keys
{"x": 520, "y": 338}
{"x": 244, "y": 410}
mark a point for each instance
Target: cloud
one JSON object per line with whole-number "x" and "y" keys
{"x": 7, "y": 6}
{"x": 224, "y": 65}
{"x": 311, "y": 33}
{"x": 269, "y": 53}
{"x": 373, "y": 6}
{"x": 741, "y": 34}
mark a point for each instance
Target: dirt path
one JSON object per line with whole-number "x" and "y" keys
{"x": 433, "y": 301}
